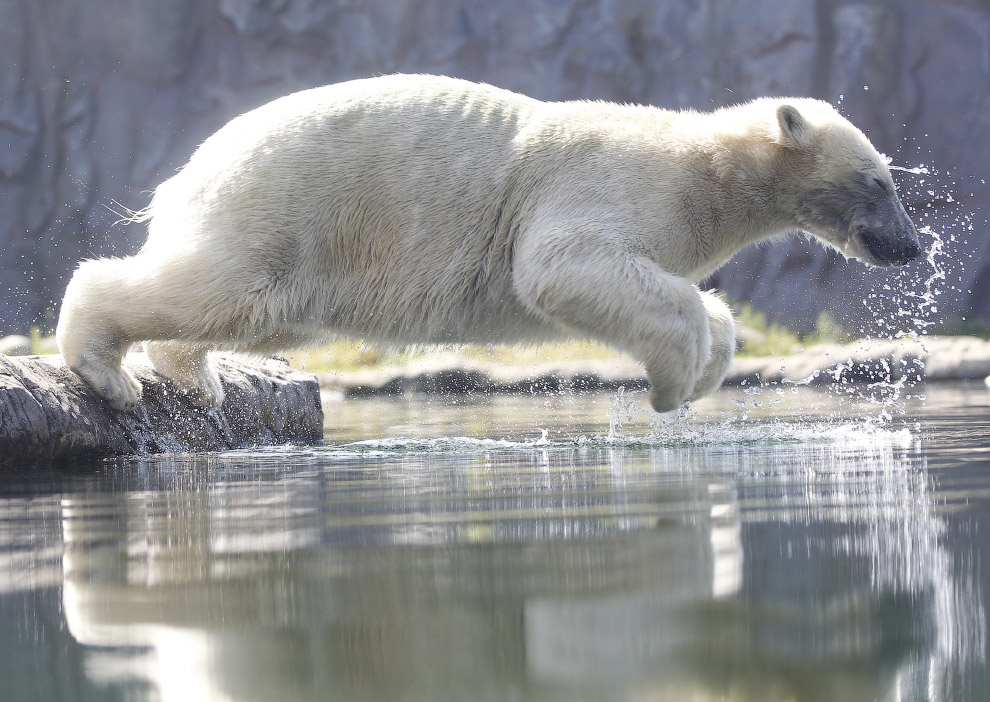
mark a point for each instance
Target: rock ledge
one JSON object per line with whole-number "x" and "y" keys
{"x": 926, "y": 359}
{"x": 47, "y": 413}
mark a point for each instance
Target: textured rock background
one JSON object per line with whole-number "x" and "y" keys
{"x": 99, "y": 102}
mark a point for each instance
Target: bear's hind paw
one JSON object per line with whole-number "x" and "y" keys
{"x": 200, "y": 385}
{"x": 188, "y": 369}
{"x": 208, "y": 395}
{"x": 118, "y": 387}
{"x": 203, "y": 389}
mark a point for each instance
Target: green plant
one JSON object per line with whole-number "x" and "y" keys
{"x": 827, "y": 330}
{"x": 761, "y": 337}
{"x": 37, "y": 340}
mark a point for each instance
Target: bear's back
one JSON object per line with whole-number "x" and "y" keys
{"x": 400, "y": 178}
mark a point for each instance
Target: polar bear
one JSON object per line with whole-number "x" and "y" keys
{"x": 422, "y": 209}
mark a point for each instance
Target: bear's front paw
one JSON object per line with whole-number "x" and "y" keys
{"x": 663, "y": 400}
{"x": 670, "y": 390}
{"x": 676, "y": 368}
{"x": 716, "y": 370}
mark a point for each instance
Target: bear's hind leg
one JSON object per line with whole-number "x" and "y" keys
{"x": 187, "y": 366}
{"x": 112, "y": 303}
{"x": 90, "y": 334}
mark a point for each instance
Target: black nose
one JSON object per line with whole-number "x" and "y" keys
{"x": 890, "y": 250}
{"x": 886, "y": 231}
{"x": 912, "y": 250}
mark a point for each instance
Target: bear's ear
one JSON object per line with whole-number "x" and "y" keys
{"x": 794, "y": 129}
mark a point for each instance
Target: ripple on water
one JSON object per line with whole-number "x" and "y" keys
{"x": 663, "y": 433}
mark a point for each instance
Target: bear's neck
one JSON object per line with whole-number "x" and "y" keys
{"x": 749, "y": 195}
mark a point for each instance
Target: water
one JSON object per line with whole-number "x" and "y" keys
{"x": 769, "y": 546}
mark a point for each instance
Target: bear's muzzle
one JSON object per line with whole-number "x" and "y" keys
{"x": 887, "y": 235}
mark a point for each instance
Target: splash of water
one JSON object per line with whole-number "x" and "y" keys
{"x": 686, "y": 427}
{"x": 916, "y": 295}
{"x": 916, "y": 170}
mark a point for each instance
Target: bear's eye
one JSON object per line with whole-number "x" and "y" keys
{"x": 881, "y": 184}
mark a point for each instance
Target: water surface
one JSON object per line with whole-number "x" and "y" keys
{"x": 775, "y": 544}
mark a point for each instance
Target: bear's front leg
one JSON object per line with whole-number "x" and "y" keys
{"x": 723, "y": 350}
{"x": 624, "y": 300}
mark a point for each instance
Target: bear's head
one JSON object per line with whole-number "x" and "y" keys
{"x": 843, "y": 192}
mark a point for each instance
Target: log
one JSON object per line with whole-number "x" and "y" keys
{"x": 47, "y": 413}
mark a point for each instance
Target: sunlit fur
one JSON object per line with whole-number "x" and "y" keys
{"x": 418, "y": 209}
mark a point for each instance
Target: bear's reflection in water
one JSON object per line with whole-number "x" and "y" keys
{"x": 646, "y": 574}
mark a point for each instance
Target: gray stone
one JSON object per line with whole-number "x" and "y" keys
{"x": 452, "y": 374}
{"x": 47, "y": 413}
{"x": 928, "y": 359}
{"x": 957, "y": 358}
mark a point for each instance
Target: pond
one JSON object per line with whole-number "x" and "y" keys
{"x": 773, "y": 544}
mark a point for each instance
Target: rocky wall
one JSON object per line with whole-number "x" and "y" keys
{"x": 100, "y": 101}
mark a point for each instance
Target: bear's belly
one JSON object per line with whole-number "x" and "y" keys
{"x": 416, "y": 316}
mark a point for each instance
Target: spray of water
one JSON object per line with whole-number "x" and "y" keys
{"x": 915, "y": 294}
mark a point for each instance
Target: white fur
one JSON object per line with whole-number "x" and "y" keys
{"x": 419, "y": 209}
